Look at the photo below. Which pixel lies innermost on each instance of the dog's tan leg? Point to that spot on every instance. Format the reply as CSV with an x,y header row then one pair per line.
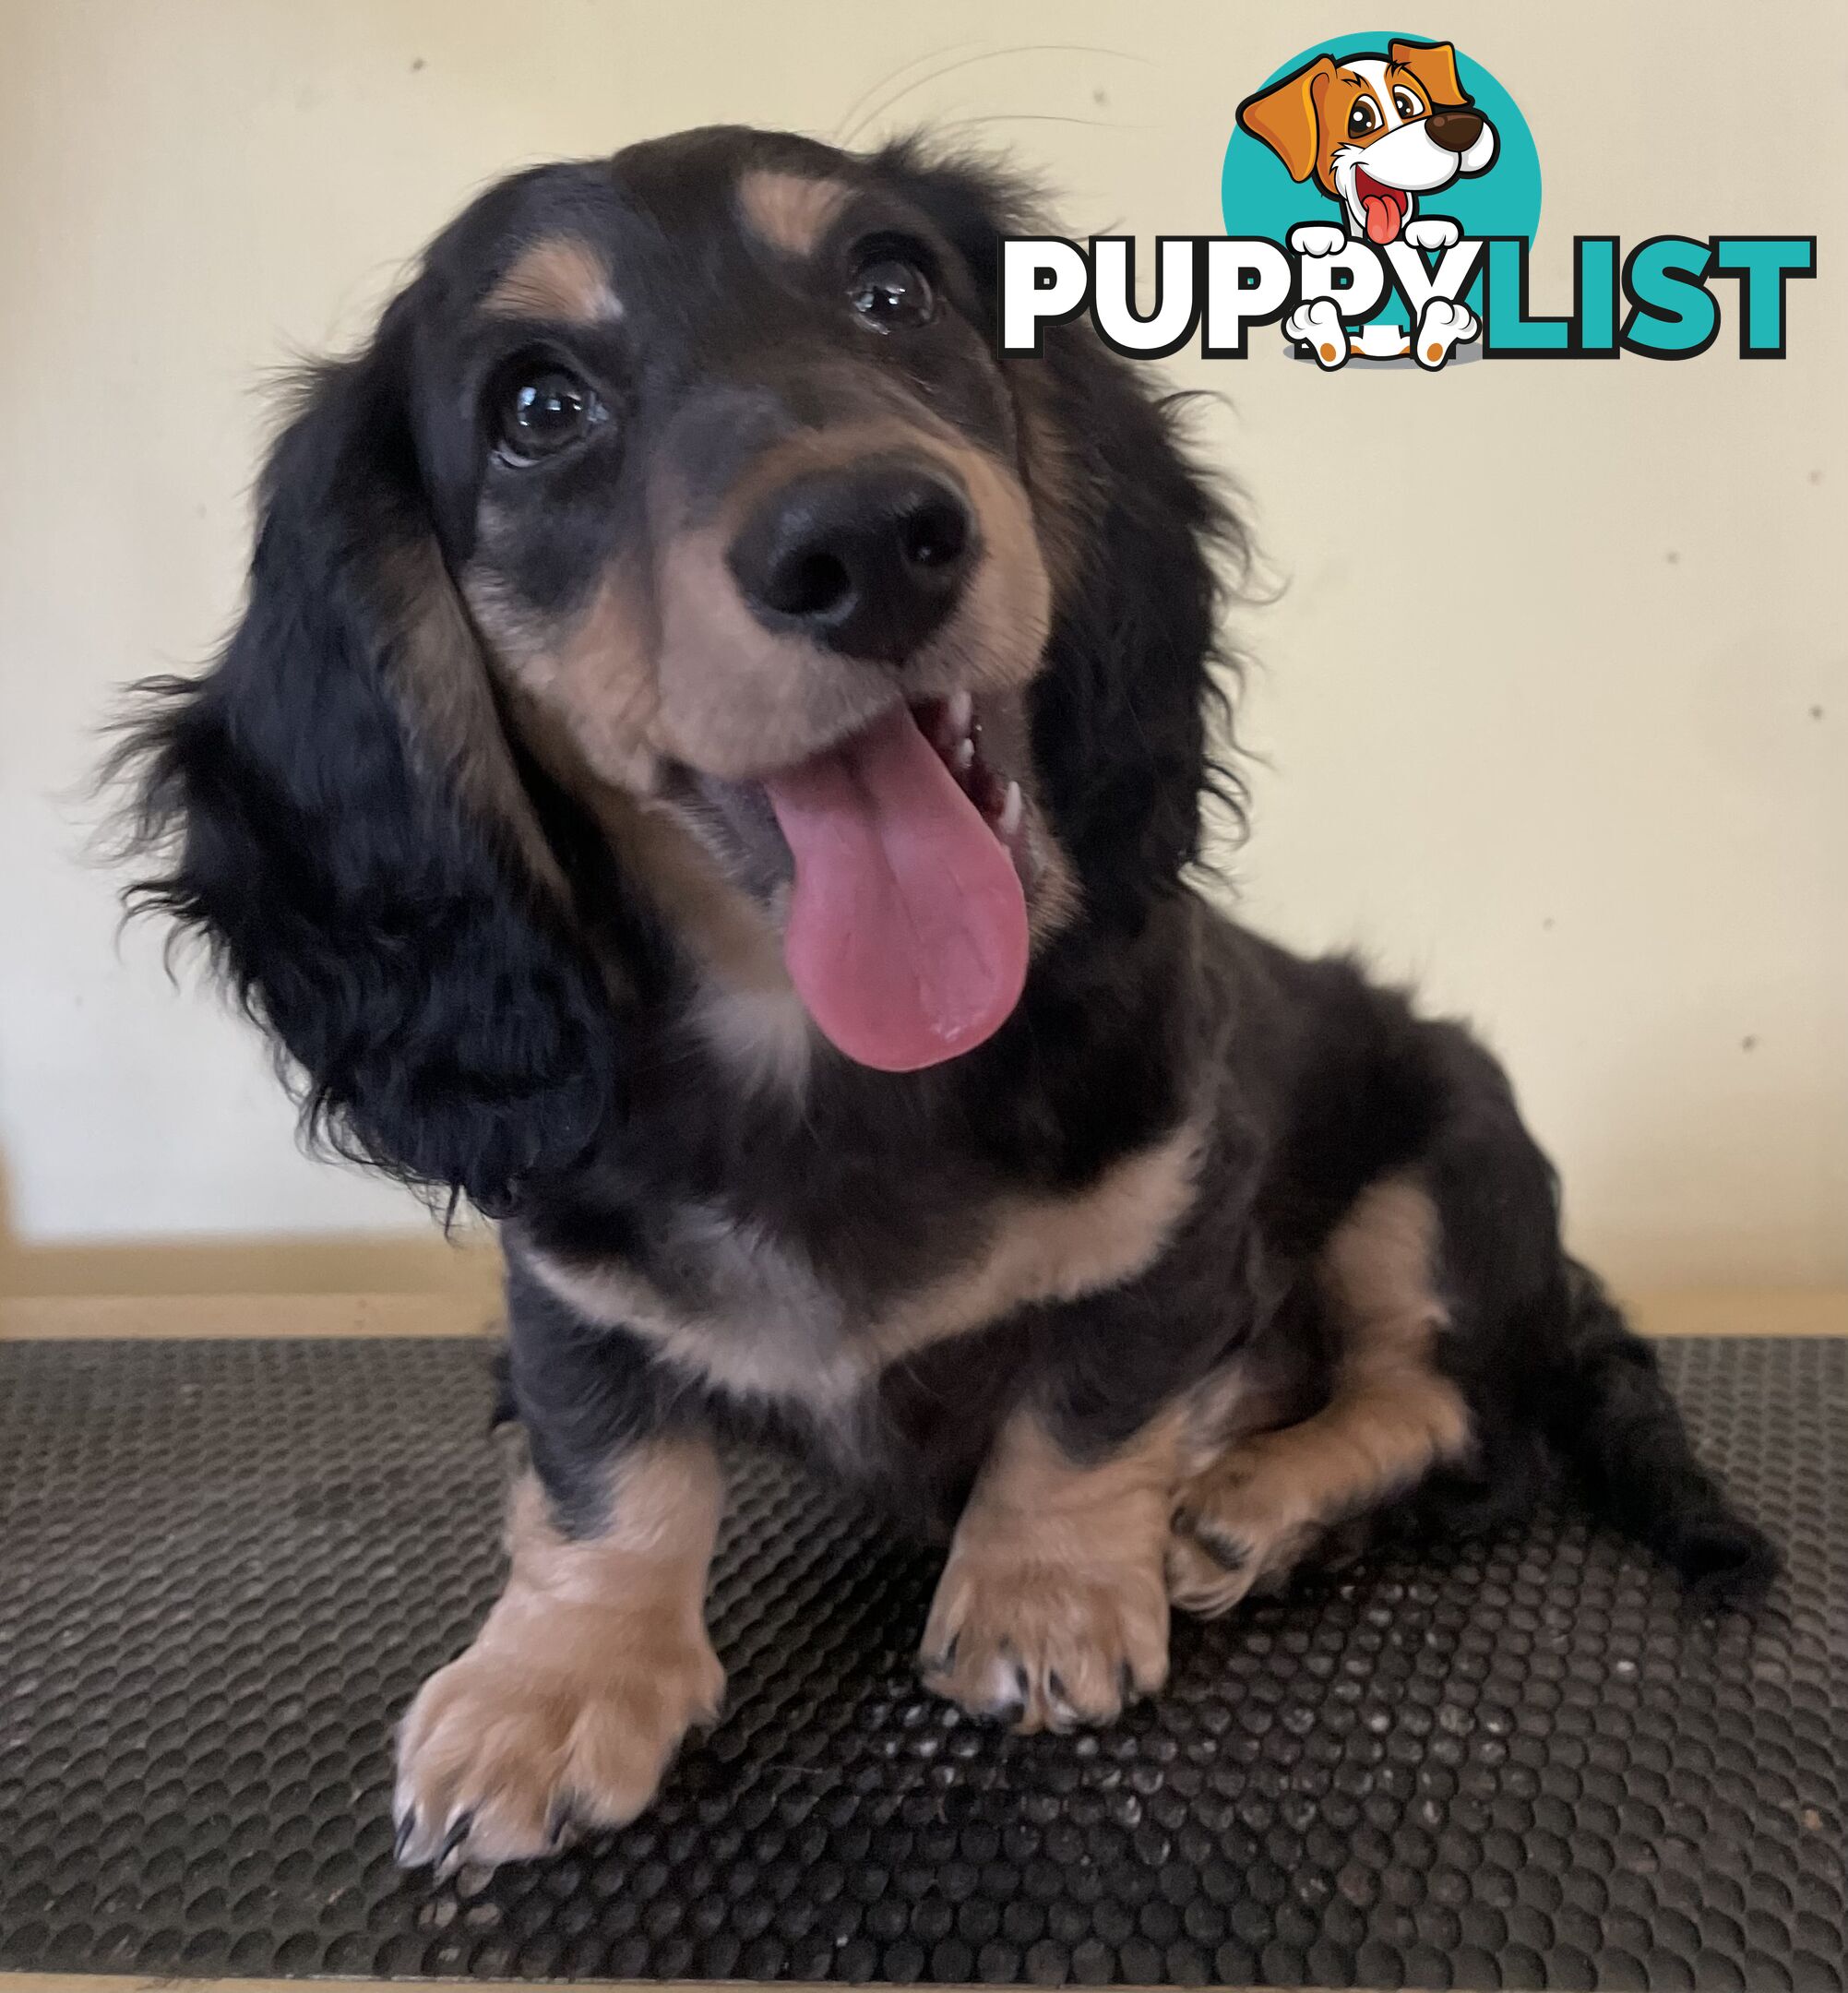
x,y
587,1673
1052,1609
1250,1514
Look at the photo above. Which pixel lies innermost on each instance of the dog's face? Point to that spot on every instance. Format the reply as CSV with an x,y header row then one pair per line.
x,y
734,489
679,625
1374,131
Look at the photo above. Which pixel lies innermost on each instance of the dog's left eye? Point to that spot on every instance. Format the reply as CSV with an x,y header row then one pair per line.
x,y
891,294
539,410
1363,118
1406,104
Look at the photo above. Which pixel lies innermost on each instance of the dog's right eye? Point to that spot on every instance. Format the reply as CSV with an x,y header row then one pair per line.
x,y
540,408
1363,118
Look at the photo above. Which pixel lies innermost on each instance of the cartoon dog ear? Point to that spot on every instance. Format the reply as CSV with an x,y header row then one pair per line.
x,y
1287,117
1434,65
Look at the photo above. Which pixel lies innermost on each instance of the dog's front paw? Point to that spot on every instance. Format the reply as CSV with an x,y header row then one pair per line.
x,y
1432,232
1046,1645
1318,239
1233,1534
503,1753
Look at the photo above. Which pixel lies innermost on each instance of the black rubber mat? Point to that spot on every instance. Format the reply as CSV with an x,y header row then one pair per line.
x,y
224,1568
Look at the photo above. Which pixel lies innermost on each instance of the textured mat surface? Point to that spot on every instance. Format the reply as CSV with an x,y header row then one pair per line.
x,y
224,1568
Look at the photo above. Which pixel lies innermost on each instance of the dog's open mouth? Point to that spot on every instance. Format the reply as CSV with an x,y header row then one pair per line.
x,y
907,934
1383,206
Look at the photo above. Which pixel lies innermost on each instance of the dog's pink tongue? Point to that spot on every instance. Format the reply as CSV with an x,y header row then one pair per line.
x,y
907,934
1382,218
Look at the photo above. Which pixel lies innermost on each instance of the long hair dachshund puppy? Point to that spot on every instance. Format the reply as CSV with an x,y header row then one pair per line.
x,y
708,773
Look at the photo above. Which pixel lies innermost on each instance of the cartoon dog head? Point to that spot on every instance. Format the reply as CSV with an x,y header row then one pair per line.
x,y
1374,131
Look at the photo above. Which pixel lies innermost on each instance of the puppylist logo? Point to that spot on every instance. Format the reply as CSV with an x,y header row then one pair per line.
x,y
1380,196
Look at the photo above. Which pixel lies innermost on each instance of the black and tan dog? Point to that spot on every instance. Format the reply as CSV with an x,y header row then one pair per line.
x,y
706,773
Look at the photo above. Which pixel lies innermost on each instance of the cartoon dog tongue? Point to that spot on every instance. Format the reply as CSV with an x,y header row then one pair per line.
x,y
907,934
1382,218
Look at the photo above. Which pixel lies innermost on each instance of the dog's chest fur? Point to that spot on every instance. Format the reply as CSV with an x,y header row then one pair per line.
x,y
813,1315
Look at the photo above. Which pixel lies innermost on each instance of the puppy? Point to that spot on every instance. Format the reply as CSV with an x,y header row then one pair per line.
x,y
1375,131
707,773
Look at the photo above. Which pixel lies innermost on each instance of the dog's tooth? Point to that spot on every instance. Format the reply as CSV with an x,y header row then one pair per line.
x,y
962,755
1013,807
958,714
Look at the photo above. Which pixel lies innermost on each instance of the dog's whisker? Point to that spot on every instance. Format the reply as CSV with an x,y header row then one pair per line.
x,y
987,56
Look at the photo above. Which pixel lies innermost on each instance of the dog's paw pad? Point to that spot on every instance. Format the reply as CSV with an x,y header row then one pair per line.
x,y
1319,326
1442,325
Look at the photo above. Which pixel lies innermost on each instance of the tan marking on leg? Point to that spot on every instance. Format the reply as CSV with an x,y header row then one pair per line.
x,y
791,211
589,1670
1251,1514
562,277
1052,1609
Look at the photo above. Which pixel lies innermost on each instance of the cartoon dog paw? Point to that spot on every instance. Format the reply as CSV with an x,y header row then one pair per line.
x,y
1318,239
1441,327
1317,325
1432,232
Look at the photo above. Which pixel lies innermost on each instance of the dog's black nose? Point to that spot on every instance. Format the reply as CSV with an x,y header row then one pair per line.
x,y
1455,131
867,559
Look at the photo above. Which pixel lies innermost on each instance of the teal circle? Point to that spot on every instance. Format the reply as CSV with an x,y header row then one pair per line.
x,y
1258,197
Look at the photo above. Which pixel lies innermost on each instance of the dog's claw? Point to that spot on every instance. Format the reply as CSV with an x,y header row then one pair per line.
x,y
1229,1556
448,1856
407,1829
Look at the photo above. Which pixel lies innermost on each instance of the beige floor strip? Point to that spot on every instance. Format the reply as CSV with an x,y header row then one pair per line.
x,y
218,1317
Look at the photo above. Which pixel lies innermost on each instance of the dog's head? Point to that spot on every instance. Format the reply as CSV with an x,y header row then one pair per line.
x,y
1374,131
679,607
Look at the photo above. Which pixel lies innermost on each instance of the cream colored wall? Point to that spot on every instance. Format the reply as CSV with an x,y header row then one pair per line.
x,y
1554,701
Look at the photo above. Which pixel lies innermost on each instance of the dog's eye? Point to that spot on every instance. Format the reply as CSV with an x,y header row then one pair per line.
x,y
1406,104
540,409
891,294
1363,118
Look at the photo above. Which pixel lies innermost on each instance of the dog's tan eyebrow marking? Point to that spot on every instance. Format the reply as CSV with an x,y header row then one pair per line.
x,y
791,211
560,278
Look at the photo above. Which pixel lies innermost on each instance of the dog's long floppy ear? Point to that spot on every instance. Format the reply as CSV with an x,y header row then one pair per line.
x,y
1434,64
1130,529
1287,117
325,802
